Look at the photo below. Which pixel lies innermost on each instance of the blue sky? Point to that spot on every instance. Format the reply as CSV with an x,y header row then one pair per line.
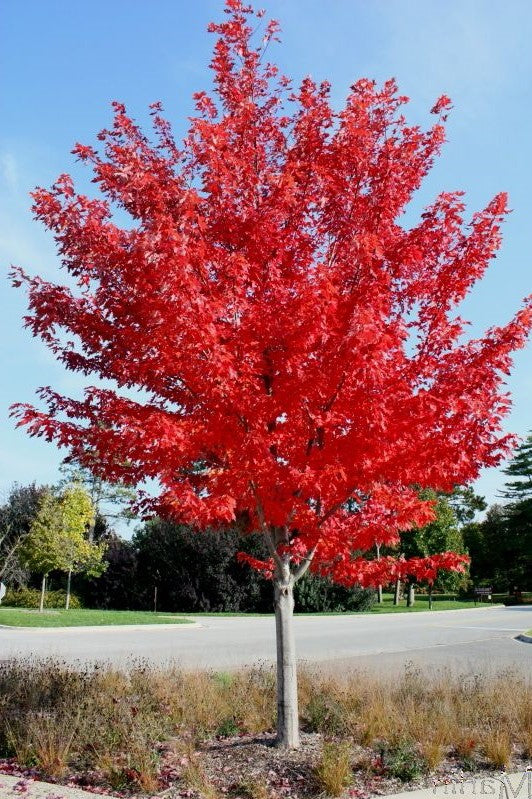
x,y
62,63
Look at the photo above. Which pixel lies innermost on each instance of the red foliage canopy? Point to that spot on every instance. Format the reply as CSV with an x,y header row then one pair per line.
x,y
294,345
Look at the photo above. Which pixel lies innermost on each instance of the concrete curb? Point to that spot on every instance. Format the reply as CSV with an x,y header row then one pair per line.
x,y
499,786
27,788
527,639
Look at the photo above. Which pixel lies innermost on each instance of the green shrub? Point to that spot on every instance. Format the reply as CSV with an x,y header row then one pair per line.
x,y
31,598
315,594
403,761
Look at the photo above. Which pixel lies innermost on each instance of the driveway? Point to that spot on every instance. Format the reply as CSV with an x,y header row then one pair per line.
x,y
479,639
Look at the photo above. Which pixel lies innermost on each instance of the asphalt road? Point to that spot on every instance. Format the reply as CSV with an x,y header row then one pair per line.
x,y
465,640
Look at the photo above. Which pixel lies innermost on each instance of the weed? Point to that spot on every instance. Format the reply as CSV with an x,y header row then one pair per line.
x,y
403,761
45,741
55,717
228,728
465,747
223,678
324,713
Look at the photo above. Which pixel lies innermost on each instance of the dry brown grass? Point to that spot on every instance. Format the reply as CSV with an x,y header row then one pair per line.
x,y
498,748
433,753
45,740
333,772
252,788
57,718
194,777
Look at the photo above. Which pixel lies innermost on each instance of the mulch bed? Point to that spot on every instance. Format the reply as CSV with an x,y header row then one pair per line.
x,y
234,766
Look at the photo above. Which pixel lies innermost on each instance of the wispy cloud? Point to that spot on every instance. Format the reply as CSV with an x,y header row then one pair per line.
x,y
470,50
9,171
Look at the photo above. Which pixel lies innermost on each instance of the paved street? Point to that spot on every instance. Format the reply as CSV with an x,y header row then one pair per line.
x,y
480,639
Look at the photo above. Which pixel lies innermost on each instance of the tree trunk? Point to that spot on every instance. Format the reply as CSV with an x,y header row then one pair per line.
x,y
397,592
411,597
69,580
287,710
430,597
379,587
43,589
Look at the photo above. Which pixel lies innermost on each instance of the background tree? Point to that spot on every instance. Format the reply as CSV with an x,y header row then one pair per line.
x,y
293,343
75,520
118,587
501,544
516,568
110,500
466,504
500,547
16,516
520,470
42,549
441,535
196,571
57,538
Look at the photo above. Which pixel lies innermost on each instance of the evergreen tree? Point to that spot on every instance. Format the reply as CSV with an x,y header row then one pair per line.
x,y
520,471
466,504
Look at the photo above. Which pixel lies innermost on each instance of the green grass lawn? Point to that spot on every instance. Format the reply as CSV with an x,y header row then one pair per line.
x,y
439,602
22,617
25,617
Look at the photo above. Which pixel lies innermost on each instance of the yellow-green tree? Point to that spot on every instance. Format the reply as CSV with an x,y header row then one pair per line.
x,y
57,538
77,519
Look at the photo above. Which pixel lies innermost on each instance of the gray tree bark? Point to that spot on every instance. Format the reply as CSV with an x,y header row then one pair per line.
x,y
397,592
69,581
287,705
379,587
411,596
43,590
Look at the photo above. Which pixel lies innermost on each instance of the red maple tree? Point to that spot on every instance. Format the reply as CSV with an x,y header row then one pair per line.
x,y
295,347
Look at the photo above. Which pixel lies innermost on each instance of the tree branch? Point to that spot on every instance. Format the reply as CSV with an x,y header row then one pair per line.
x,y
304,564
266,531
